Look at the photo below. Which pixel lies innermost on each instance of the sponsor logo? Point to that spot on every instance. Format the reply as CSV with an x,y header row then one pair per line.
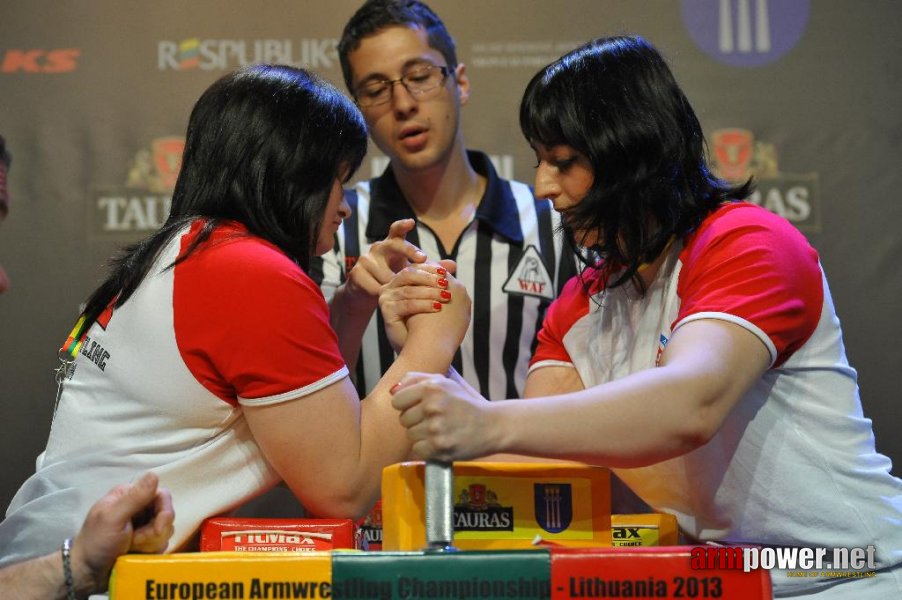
x,y
800,562
745,33
142,204
371,527
530,277
478,509
61,60
738,156
223,54
532,54
626,536
553,505
264,540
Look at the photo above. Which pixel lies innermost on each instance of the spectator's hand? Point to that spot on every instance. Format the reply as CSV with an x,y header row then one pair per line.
x,y
134,517
383,259
413,290
445,420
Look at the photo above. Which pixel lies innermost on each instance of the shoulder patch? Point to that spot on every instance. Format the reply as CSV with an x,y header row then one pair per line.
x,y
530,276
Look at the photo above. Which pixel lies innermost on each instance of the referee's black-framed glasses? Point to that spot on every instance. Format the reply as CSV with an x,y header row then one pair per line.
x,y
421,82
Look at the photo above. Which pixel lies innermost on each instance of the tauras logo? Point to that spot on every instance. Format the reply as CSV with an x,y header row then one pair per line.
x,y
141,205
738,155
478,509
494,519
373,534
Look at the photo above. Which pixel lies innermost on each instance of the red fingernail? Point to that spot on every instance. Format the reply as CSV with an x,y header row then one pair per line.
x,y
443,282
441,271
437,305
394,388
445,294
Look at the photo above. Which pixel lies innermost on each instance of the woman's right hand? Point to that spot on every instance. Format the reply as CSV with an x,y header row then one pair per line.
x,y
443,330
413,290
445,419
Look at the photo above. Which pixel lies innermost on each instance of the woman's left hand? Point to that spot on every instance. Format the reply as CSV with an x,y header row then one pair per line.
x,y
413,290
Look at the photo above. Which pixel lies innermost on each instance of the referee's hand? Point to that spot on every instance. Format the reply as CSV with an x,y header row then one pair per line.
x,y
383,259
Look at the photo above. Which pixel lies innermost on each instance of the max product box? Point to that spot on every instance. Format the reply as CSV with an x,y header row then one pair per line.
x,y
207,575
666,572
277,535
649,529
502,505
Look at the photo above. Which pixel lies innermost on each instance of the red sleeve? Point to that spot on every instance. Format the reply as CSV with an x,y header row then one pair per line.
x,y
250,324
564,311
747,262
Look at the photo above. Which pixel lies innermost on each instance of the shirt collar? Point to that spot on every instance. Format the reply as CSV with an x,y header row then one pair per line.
x,y
497,209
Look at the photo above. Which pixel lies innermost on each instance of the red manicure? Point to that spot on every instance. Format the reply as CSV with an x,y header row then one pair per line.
x,y
443,282
441,271
437,305
445,294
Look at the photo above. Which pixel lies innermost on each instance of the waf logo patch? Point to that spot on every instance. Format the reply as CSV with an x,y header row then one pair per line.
x,y
530,277
553,506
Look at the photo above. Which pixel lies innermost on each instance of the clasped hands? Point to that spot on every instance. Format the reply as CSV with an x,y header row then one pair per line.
x,y
411,293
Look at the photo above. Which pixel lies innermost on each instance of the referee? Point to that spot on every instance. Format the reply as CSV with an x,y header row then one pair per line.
x,y
399,63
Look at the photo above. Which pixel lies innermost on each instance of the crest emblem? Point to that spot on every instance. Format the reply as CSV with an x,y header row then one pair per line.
x,y
156,169
553,506
167,158
733,150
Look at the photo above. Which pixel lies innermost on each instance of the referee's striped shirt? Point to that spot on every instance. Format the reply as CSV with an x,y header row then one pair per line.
x,y
509,258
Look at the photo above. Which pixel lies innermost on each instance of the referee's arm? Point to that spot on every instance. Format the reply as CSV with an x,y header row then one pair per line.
x,y
354,301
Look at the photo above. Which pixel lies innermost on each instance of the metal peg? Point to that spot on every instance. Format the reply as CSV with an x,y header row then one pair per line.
x,y
439,506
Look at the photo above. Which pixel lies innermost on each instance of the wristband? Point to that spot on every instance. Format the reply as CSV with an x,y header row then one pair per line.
x,y
67,569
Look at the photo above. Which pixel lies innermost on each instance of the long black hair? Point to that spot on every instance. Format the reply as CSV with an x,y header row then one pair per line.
x,y
263,148
615,100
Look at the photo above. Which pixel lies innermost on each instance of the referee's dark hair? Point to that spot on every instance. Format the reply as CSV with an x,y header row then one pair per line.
x,y
616,101
376,15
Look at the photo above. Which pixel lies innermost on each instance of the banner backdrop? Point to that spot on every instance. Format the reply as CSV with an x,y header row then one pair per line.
x,y
95,96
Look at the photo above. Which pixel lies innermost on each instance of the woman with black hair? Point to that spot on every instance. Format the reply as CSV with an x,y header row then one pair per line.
x,y
207,356
698,354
